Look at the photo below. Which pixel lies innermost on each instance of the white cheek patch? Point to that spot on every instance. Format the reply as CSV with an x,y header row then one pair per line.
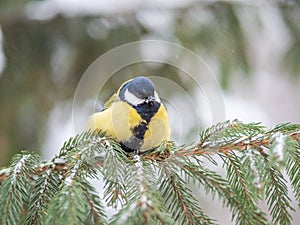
x,y
156,97
132,99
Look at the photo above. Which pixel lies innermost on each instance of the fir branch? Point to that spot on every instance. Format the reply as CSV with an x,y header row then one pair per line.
x,y
235,136
14,193
228,133
81,143
236,177
81,154
44,189
95,209
84,144
293,165
179,199
144,205
255,164
286,128
253,155
244,189
205,135
114,170
76,203
71,204
276,192
214,183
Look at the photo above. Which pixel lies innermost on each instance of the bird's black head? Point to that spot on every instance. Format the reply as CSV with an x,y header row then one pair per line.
x,y
141,95
139,90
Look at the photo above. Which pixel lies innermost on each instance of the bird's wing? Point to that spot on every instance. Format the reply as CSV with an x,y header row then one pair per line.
x,y
108,103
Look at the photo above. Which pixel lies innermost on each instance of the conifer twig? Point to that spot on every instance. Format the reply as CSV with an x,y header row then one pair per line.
x,y
152,187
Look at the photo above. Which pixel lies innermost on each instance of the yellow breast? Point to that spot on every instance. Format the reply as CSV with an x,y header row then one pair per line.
x,y
120,119
158,130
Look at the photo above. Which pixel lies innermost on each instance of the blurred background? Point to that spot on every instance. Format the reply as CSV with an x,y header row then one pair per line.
x,y
252,47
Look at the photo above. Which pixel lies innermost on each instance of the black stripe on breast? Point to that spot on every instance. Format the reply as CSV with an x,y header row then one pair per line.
x,y
146,111
137,139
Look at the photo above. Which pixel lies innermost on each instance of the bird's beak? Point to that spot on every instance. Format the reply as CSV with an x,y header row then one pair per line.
x,y
150,99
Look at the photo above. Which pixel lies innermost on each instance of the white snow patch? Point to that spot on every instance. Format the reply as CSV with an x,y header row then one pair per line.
x,y
69,179
256,181
279,141
18,168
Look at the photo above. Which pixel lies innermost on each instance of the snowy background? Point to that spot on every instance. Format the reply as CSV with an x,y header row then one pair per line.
x,y
252,50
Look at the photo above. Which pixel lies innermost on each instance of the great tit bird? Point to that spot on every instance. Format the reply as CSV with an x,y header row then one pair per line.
x,y
134,116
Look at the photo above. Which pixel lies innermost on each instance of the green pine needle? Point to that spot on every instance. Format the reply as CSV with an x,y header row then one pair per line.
x,y
178,198
14,190
144,203
154,187
44,189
